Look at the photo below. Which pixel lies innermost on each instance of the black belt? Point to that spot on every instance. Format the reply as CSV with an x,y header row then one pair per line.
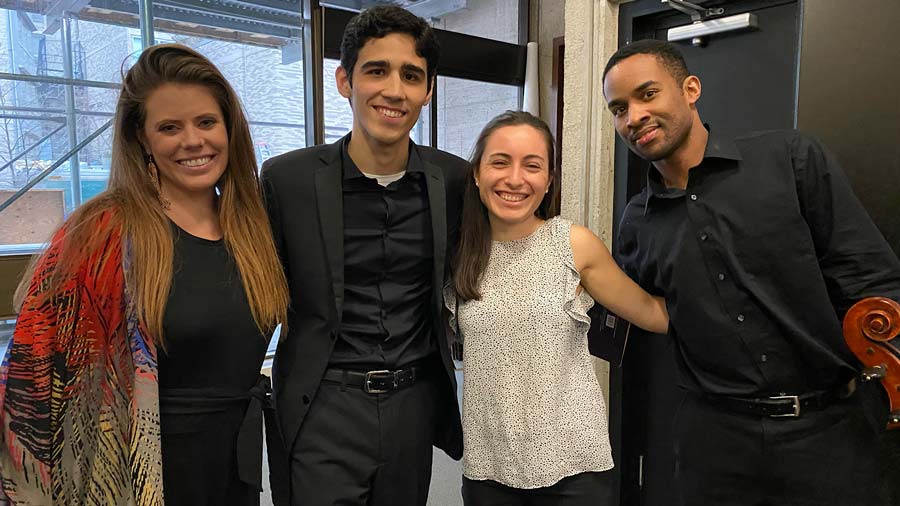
x,y
782,406
249,444
374,382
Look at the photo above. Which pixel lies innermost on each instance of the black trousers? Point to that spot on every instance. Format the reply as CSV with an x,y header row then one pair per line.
x,y
829,457
199,459
359,449
585,489
877,406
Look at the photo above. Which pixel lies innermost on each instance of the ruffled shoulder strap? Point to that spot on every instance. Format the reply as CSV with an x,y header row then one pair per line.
x,y
577,301
451,302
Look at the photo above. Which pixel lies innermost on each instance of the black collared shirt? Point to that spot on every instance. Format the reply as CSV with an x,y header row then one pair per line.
x,y
386,320
758,259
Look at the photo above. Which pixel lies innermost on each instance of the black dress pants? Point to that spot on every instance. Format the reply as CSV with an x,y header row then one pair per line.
x,y
829,457
360,449
584,489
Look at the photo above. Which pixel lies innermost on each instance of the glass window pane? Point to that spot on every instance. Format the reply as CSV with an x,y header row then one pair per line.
x,y
260,55
464,107
491,19
338,116
63,74
6,331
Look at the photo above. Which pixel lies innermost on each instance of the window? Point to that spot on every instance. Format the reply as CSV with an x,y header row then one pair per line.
x,y
57,95
6,330
60,76
267,75
61,81
491,19
465,107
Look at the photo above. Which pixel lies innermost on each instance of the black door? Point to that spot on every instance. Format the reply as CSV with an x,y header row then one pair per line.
x,y
833,80
748,83
849,63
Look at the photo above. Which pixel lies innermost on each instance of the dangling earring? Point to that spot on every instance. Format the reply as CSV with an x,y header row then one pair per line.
x,y
154,180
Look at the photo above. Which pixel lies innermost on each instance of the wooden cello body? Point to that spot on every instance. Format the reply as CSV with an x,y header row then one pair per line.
x,y
872,331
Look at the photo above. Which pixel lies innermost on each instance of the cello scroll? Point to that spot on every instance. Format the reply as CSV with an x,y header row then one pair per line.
x,y
871,329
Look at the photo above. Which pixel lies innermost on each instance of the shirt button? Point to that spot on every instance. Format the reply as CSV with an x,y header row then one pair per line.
x,y
721,277
763,357
703,237
693,196
740,317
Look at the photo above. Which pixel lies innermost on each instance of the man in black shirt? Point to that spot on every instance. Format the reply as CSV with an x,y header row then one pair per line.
x,y
759,247
364,381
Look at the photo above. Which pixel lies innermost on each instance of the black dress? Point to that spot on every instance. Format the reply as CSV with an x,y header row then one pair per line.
x,y
212,360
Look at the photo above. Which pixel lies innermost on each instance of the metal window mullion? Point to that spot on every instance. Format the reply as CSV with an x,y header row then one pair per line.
x,y
74,164
65,81
145,19
34,145
46,172
12,43
313,48
433,116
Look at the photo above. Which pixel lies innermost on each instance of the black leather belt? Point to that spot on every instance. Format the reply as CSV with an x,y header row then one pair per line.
x,y
782,406
374,382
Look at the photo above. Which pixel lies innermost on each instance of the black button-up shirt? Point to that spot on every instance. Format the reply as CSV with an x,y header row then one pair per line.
x,y
386,320
758,259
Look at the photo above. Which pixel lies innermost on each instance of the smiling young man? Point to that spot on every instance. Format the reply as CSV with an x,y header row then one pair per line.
x,y
364,381
759,247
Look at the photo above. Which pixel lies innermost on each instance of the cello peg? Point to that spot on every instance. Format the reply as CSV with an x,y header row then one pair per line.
x,y
874,372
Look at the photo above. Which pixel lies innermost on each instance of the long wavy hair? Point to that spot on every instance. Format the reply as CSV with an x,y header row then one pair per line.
x,y
474,249
132,207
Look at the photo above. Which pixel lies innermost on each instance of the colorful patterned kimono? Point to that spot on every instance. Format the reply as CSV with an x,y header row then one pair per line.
x,y
79,407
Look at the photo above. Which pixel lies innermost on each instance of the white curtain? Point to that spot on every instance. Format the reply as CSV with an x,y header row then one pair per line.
x,y
531,101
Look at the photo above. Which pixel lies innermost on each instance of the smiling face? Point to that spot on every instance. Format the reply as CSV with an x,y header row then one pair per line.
x,y
388,89
185,132
513,176
653,113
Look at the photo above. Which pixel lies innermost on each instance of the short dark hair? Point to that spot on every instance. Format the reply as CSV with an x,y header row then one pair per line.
x,y
667,54
382,20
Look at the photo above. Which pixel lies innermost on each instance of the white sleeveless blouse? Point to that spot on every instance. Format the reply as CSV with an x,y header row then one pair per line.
x,y
533,412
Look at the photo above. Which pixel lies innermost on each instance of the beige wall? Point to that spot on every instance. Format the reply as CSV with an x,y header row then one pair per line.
x,y
32,218
590,29
12,268
547,23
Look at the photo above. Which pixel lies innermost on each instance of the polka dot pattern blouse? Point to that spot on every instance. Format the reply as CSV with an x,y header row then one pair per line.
x,y
533,412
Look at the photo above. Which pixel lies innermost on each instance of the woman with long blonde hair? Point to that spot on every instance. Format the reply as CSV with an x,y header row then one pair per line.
x,y
133,373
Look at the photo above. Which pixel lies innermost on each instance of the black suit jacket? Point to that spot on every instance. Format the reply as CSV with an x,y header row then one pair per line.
x,y
305,203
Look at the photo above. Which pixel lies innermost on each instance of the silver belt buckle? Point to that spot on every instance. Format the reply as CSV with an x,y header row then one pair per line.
x,y
367,386
795,400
